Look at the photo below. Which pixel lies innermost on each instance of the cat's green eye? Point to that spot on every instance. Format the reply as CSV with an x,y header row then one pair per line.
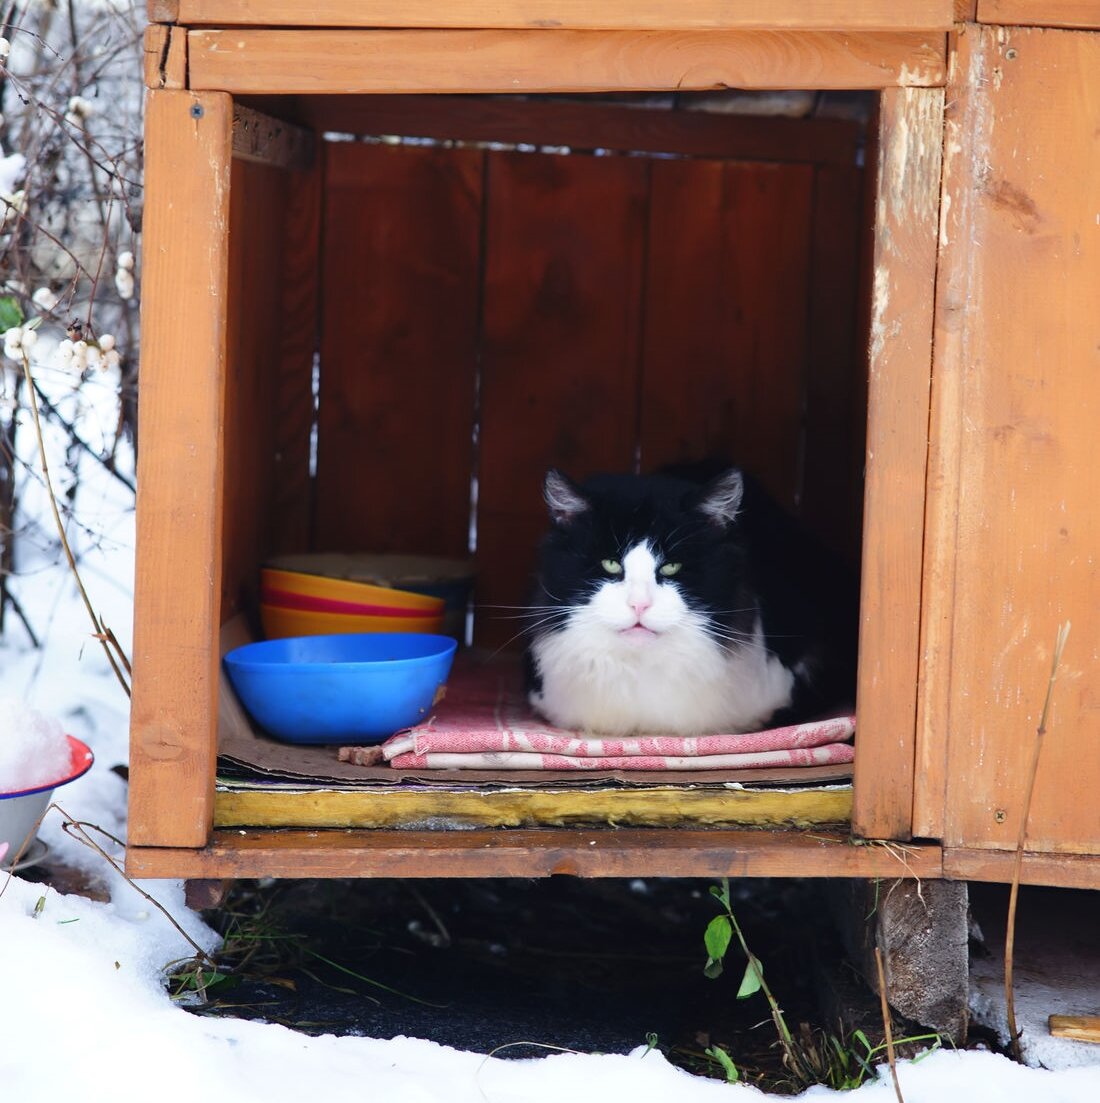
x,y
612,566
669,569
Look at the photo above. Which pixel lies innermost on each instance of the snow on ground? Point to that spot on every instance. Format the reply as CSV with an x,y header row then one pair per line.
x,y
84,1016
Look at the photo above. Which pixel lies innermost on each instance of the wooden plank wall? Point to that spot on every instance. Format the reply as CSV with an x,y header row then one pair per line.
x,y
603,312
270,341
1013,499
399,347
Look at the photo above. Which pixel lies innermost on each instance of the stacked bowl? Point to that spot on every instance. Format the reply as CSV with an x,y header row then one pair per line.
x,y
294,603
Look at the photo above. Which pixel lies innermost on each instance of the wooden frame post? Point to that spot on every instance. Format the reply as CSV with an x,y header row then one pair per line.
x,y
903,293
177,573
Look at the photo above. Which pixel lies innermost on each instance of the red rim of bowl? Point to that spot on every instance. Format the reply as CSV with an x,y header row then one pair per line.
x,y
80,762
284,599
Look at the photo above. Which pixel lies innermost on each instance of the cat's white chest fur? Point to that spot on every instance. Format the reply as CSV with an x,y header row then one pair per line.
x,y
635,658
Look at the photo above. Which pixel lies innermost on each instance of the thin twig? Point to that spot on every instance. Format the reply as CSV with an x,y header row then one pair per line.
x,y
75,830
1021,840
890,1055
100,632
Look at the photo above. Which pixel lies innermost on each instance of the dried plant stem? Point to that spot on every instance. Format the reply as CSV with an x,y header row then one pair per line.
x,y
76,829
1021,840
105,637
890,1055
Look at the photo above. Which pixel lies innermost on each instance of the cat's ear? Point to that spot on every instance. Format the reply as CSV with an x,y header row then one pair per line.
x,y
564,498
721,497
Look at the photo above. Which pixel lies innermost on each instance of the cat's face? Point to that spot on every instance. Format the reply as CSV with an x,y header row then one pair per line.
x,y
638,559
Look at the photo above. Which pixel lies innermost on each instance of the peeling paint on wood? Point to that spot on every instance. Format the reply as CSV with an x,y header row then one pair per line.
x,y
657,807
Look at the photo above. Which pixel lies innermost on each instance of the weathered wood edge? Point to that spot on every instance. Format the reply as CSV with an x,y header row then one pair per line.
x,y
870,15
1070,14
906,224
602,852
162,11
408,61
1075,871
964,143
269,141
165,57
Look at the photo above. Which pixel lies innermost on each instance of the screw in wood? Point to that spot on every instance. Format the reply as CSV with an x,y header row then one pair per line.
x,y
1000,815
196,111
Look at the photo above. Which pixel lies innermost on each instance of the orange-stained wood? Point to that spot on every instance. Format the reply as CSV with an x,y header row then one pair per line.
x,y
162,11
559,372
165,57
910,140
588,125
265,61
865,15
965,10
398,348
1021,353
1073,871
727,283
1041,13
601,852
956,273
180,468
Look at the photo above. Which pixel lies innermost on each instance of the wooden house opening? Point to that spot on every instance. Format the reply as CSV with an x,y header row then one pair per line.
x,y
667,285
468,290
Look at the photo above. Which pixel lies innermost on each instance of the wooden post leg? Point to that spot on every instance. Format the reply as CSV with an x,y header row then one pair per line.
x,y
188,143
203,894
922,929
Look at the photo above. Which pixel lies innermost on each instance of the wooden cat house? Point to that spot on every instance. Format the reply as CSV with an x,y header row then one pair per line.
x,y
394,251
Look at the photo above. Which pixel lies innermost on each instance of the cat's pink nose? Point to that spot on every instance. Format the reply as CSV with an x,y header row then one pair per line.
x,y
640,605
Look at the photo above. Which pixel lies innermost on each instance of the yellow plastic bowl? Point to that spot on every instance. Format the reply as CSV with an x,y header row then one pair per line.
x,y
279,623
341,589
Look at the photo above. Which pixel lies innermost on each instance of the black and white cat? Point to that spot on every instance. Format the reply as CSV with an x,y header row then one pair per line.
x,y
672,607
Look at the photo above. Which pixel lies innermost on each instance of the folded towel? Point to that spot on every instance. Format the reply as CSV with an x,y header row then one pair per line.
x,y
482,725
828,755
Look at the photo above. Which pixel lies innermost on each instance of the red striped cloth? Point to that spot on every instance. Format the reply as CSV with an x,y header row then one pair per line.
x,y
485,725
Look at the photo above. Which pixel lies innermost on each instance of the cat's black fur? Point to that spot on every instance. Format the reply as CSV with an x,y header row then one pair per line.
x,y
764,563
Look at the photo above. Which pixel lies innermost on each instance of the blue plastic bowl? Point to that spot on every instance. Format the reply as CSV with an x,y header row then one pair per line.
x,y
330,689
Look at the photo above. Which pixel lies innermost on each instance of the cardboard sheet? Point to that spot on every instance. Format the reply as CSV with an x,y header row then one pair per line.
x,y
248,759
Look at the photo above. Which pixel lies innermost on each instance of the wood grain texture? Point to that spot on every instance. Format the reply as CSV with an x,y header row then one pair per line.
x,y
1041,13
1025,355
288,62
965,123
165,57
585,126
257,200
180,468
866,15
906,222
661,806
398,349
1071,871
1082,1028
624,852
271,141
560,351
726,344
162,11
